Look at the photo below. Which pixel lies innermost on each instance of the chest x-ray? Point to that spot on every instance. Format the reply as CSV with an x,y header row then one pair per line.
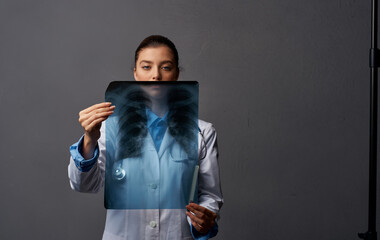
x,y
151,145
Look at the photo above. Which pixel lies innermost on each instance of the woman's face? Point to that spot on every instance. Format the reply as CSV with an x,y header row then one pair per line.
x,y
156,64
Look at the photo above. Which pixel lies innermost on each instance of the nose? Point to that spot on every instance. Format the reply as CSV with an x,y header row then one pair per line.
x,y
156,75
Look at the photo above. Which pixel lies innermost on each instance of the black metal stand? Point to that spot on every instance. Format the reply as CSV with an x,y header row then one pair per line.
x,y
371,234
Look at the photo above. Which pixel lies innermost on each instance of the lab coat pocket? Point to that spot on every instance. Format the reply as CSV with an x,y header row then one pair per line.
x,y
179,160
179,155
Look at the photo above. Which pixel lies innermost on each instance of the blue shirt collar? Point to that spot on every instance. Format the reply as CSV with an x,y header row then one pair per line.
x,y
152,117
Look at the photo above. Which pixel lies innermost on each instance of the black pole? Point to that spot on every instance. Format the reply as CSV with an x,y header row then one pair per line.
x,y
371,234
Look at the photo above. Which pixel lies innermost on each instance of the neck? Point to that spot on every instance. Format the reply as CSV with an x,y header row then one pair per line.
x,y
159,107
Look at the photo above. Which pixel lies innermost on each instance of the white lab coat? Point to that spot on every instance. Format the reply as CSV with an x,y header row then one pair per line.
x,y
155,223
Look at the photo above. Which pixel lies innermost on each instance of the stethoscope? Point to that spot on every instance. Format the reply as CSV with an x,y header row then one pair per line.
x,y
119,173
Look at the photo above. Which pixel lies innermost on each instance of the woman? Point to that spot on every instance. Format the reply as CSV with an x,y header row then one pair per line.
x,y
156,59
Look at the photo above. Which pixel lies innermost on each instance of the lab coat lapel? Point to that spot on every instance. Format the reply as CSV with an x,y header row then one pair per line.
x,y
149,144
166,142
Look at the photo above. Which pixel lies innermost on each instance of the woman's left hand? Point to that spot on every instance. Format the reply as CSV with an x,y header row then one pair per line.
x,y
203,219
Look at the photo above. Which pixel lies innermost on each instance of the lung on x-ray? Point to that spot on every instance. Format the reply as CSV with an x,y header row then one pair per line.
x,y
151,145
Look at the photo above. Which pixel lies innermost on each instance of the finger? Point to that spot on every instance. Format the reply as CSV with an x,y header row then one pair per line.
x,y
199,228
95,123
87,119
196,226
94,117
196,212
202,209
97,117
85,114
96,106
198,207
102,110
194,218
91,123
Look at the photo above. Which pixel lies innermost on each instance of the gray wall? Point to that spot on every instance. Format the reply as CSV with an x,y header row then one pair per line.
x,y
286,84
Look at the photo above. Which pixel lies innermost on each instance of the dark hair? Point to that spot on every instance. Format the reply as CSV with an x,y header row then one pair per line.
x,y
156,41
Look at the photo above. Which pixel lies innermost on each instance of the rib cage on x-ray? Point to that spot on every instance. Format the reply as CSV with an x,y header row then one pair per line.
x,y
131,104
139,176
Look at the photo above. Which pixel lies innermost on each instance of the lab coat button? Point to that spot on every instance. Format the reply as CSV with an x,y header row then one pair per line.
x,y
153,186
153,224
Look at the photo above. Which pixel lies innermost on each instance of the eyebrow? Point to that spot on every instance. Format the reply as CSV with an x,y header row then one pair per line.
x,y
168,61
150,62
144,61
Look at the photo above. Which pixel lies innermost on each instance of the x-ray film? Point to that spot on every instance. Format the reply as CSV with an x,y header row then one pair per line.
x,y
152,145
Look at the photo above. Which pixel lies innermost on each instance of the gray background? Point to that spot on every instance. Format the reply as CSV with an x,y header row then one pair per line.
x,y
286,84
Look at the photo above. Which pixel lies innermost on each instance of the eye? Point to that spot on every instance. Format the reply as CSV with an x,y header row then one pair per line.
x,y
167,68
145,67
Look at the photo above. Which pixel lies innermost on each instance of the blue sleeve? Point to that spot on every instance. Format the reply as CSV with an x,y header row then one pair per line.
x,y
82,164
199,236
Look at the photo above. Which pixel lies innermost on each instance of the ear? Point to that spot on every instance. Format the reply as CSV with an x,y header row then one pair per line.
x,y
134,73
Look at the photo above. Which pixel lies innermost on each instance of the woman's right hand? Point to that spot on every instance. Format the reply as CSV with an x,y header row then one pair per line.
x,y
91,119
